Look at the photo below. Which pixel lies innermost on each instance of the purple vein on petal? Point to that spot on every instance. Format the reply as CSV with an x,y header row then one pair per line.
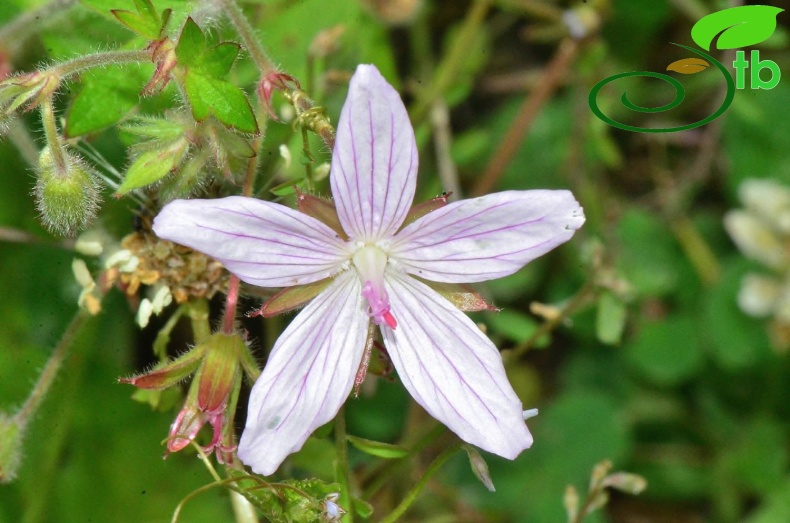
x,y
369,222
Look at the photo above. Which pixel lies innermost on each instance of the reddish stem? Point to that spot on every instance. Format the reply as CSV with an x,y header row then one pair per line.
x,y
230,305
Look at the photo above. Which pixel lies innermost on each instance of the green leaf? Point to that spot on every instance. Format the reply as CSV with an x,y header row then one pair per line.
x,y
281,504
227,103
377,448
514,325
147,9
610,319
738,341
667,352
775,507
152,166
760,456
137,24
154,128
739,27
218,60
191,44
105,97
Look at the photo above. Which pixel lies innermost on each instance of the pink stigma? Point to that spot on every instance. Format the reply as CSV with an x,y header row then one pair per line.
x,y
390,320
378,305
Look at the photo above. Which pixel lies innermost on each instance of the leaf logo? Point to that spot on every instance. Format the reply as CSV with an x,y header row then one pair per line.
x,y
688,66
738,26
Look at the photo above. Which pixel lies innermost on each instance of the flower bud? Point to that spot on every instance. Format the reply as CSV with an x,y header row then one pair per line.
x,y
68,200
11,436
626,482
479,467
221,371
168,374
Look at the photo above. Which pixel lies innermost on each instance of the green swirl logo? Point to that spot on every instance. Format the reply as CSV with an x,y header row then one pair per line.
x,y
735,27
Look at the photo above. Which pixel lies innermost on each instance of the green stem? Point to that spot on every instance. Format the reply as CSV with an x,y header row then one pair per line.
x,y
50,371
53,138
385,471
198,316
48,459
579,299
411,497
77,65
341,469
247,34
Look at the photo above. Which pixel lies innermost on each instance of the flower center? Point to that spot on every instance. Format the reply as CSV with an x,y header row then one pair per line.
x,y
371,262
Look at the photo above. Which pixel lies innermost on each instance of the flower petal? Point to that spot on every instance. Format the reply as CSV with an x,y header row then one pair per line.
x,y
452,369
374,164
488,237
308,376
263,243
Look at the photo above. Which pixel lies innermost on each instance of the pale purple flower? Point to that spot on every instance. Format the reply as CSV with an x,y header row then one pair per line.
x,y
447,364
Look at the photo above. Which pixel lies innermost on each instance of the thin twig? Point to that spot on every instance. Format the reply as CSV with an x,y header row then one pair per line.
x,y
579,299
551,78
443,138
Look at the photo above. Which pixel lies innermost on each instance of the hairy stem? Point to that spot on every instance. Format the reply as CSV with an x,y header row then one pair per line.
x,y
79,64
53,138
247,34
51,369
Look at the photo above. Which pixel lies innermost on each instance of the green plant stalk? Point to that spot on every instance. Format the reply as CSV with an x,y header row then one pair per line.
x,y
53,138
582,297
39,392
90,61
198,316
247,34
49,458
385,470
411,496
341,468
452,61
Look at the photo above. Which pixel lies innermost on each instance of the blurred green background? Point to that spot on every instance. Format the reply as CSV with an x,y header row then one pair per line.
x,y
653,367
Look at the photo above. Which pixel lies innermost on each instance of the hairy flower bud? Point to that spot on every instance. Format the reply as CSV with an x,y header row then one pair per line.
x,y
68,200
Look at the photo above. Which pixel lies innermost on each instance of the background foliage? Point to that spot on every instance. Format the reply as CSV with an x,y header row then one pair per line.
x,y
651,365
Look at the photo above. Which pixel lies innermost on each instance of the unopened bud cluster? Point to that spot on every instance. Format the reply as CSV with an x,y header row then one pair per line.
x,y
67,197
761,230
217,364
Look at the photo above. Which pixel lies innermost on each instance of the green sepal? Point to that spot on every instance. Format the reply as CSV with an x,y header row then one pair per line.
x,y
421,209
170,373
151,166
322,210
292,298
